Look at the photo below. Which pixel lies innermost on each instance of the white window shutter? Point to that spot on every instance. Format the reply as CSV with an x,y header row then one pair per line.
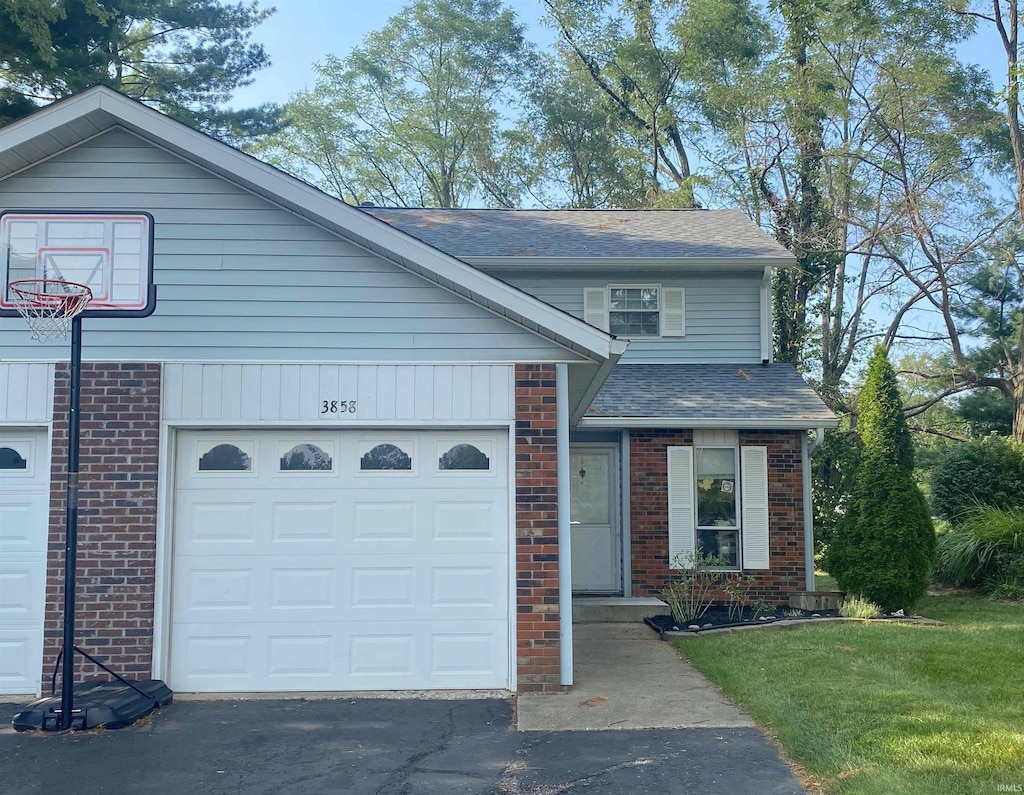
x,y
673,312
754,496
680,507
595,307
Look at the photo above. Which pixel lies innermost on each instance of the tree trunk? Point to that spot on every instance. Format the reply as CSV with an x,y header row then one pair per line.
x,y
1017,385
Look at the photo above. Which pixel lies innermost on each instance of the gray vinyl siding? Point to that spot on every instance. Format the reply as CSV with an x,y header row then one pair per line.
x,y
722,313
240,279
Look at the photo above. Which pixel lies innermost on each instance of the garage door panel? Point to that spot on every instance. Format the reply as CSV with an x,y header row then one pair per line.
x,y
380,581
355,656
233,589
23,522
210,523
22,589
24,530
21,650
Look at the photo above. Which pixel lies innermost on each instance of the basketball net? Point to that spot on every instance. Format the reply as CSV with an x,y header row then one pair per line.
x,y
49,305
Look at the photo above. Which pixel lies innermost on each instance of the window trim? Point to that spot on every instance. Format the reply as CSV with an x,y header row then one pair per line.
x,y
406,444
202,447
27,454
482,443
738,528
659,311
326,444
736,486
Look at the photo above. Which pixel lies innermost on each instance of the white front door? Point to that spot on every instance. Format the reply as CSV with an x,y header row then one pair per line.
x,y
24,522
340,560
593,497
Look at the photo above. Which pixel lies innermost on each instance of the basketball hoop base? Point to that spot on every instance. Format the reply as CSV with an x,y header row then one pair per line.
x,y
98,704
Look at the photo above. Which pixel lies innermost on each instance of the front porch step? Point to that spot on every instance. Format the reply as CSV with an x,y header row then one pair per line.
x,y
615,609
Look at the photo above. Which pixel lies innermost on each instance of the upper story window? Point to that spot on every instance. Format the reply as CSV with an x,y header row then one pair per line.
x,y
636,310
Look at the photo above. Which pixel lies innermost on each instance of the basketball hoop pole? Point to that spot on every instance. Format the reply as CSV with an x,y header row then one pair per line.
x,y
67,680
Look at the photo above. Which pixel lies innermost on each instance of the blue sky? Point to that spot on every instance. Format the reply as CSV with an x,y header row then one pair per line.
x,y
302,32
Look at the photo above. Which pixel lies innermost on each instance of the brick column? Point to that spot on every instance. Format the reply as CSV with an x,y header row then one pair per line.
x,y
785,515
648,507
537,634
120,430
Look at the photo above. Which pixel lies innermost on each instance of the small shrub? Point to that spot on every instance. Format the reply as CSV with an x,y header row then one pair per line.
x,y
689,597
1009,582
981,548
981,472
762,608
859,607
738,590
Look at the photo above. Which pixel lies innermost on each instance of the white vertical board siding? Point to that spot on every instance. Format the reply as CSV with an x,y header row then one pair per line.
x,y
241,279
722,313
266,393
26,392
754,476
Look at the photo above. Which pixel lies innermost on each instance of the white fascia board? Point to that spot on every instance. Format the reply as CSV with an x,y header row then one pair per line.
x,y
703,422
292,193
548,264
49,118
577,411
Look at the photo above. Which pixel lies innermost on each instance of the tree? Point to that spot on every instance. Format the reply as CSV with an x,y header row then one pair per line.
x,y
183,58
1004,17
413,115
626,52
858,135
884,544
582,156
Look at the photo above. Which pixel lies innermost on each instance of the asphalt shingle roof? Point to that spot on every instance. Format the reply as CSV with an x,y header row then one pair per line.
x,y
585,233
774,392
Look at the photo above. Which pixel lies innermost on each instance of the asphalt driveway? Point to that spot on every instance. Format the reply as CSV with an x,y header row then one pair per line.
x,y
385,747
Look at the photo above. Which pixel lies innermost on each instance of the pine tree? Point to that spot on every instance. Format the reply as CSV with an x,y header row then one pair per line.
x,y
884,545
183,58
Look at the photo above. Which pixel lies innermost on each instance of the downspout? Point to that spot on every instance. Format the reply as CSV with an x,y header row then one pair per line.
x,y
564,538
766,316
806,451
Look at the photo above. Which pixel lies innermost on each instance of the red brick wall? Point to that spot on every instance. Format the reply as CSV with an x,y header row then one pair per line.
x,y
649,511
118,462
537,635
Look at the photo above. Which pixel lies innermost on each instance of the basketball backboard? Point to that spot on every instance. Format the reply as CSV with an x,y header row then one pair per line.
x,y
110,253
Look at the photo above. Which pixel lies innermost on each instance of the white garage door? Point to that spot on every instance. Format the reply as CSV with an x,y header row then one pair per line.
x,y
340,561
24,518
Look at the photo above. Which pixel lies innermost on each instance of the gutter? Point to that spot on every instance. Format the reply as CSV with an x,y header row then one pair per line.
x,y
704,422
806,451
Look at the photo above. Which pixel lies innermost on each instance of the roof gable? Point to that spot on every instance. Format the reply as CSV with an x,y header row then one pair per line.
x,y
75,119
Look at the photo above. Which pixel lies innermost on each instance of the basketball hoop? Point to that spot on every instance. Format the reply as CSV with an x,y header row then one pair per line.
x,y
49,305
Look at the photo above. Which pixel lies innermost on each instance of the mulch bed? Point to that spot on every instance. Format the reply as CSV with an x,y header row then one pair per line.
x,y
717,617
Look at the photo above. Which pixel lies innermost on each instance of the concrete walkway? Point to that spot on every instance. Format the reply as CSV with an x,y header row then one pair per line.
x,y
627,678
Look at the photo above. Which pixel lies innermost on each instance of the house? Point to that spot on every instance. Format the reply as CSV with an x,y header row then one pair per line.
x,y
370,449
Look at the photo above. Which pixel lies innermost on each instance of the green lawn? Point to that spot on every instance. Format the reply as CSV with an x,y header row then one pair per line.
x,y
886,708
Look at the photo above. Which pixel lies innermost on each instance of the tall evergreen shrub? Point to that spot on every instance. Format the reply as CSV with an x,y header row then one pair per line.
x,y
884,544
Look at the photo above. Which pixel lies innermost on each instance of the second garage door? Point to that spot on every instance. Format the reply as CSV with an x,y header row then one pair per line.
x,y
350,560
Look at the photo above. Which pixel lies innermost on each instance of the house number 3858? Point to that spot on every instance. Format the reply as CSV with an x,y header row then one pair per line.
x,y
338,407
